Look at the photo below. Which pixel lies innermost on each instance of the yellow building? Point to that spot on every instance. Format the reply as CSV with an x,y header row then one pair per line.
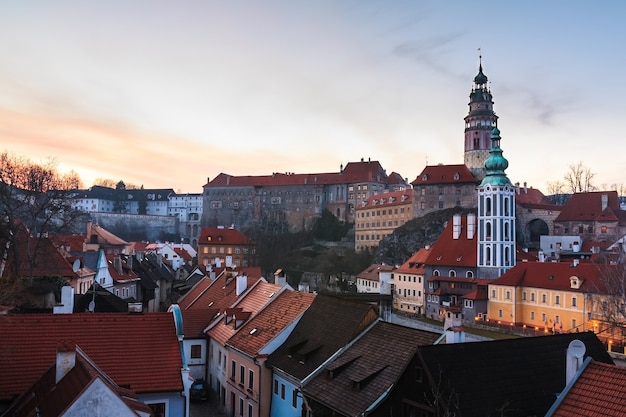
x,y
555,297
379,216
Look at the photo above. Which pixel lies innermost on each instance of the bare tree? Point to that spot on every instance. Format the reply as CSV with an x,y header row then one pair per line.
x,y
608,299
105,182
579,178
556,192
34,199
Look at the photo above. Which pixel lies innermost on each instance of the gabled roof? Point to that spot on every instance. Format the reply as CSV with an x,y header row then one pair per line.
x,y
372,272
123,345
444,174
518,376
447,251
415,264
104,301
588,207
120,271
69,243
367,369
195,321
556,276
311,344
223,236
219,293
103,236
55,397
270,321
48,261
250,302
600,390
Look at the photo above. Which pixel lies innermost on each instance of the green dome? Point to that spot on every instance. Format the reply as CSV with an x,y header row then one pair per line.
x,y
496,163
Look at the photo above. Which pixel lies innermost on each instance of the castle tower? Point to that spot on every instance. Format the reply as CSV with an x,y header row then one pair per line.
x,y
496,215
479,122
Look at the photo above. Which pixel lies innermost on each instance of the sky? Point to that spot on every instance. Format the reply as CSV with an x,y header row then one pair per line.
x,y
170,94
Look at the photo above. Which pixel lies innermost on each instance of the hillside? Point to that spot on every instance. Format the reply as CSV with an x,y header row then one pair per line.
x,y
410,237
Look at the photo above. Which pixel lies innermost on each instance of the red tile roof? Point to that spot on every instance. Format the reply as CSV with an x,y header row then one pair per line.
x,y
223,236
599,391
447,251
525,195
444,174
270,321
126,347
415,264
220,293
390,199
354,172
196,320
588,207
251,302
48,260
55,397
372,272
556,276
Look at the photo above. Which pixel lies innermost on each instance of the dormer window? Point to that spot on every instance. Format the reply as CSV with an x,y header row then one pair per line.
x,y
575,282
425,177
456,176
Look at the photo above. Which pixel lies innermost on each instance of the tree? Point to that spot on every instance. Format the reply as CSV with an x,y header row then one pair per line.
x,y
105,182
579,178
557,193
35,199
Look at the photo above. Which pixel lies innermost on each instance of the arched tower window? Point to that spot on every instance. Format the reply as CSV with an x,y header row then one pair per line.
x,y
506,231
488,255
507,257
488,230
506,206
488,206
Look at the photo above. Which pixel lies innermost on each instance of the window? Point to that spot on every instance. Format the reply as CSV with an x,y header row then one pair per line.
x,y
250,380
276,386
233,367
543,298
242,374
493,293
241,406
499,313
532,315
573,323
532,296
282,391
508,295
557,299
524,296
469,303
250,410
158,409
294,398
574,303
196,351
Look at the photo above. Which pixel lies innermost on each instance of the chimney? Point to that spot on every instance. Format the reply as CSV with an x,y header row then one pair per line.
x,y
242,283
471,226
456,226
66,359
525,188
605,201
117,264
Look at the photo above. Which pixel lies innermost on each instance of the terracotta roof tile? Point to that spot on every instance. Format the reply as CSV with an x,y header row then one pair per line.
x,y
600,390
588,207
270,321
415,264
444,174
123,345
447,251
223,236
372,272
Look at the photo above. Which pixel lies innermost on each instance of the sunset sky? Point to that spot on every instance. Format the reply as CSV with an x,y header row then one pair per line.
x,y
165,94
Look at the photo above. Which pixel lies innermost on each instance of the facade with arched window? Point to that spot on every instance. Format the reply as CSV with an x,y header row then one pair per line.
x,y
496,215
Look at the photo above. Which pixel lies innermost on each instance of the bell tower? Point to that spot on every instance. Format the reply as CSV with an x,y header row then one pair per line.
x,y
479,123
496,215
